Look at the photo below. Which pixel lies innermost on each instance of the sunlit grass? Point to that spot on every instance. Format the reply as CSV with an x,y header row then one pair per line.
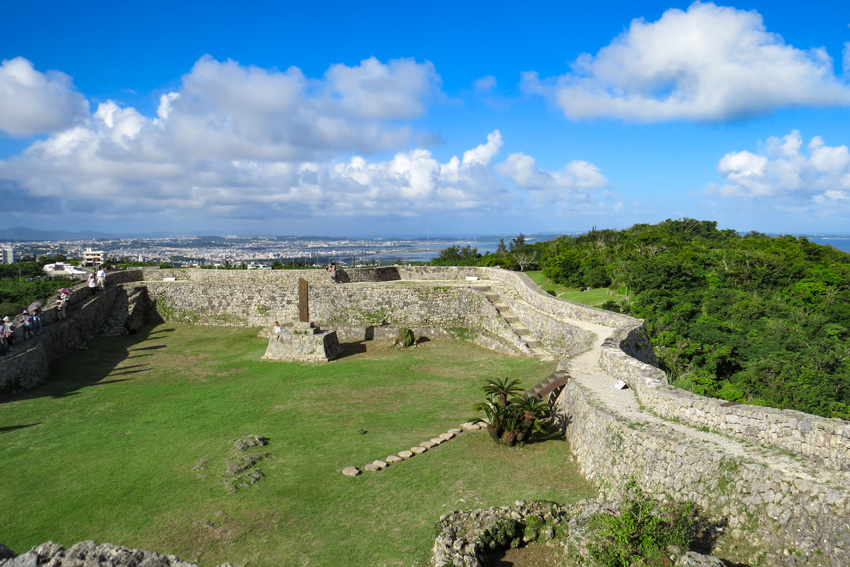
x,y
593,297
110,450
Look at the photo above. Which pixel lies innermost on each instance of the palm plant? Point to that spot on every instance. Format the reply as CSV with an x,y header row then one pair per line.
x,y
494,419
511,418
532,411
502,388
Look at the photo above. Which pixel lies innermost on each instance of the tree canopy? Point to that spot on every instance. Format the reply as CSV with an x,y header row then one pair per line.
x,y
748,318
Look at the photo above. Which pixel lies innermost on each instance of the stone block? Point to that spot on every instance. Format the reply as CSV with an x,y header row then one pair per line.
x,y
392,459
407,454
418,450
351,471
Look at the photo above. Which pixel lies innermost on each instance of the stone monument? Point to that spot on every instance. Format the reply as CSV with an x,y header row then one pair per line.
x,y
302,341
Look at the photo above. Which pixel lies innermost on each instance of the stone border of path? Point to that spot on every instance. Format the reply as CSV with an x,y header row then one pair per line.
x,y
401,456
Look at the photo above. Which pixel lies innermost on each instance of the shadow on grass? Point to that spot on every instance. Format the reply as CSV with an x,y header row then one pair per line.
x,y
90,367
352,349
8,428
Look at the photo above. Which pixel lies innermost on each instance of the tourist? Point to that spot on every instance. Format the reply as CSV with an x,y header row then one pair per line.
x,y
61,305
277,328
10,333
4,342
26,323
101,277
36,321
332,271
92,284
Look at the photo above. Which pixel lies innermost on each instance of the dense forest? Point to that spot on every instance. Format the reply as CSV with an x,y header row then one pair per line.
x,y
747,318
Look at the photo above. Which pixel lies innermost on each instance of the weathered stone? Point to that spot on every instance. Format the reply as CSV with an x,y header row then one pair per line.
x,y
427,445
447,436
418,450
351,471
392,459
380,464
407,454
438,440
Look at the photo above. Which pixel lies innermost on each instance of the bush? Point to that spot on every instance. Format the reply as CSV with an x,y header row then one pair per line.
x,y
641,532
405,337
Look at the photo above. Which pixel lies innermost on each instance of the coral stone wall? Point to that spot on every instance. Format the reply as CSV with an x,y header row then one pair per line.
x,y
28,365
771,511
822,440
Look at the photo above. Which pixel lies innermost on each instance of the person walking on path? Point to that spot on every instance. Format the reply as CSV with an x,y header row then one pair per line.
x,y
4,338
9,332
101,278
26,323
62,305
92,284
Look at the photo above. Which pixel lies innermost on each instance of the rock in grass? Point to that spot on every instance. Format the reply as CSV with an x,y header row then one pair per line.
x,y
406,454
351,471
418,450
392,459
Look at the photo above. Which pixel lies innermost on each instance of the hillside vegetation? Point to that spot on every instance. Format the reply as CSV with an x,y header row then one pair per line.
x,y
749,318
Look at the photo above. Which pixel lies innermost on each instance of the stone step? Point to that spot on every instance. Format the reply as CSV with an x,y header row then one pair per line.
x,y
532,343
511,319
492,297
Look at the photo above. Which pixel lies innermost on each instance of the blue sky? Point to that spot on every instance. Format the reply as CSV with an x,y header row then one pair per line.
x,y
447,118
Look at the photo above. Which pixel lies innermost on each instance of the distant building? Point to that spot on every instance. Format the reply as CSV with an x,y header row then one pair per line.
x,y
62,269
92,257
7,255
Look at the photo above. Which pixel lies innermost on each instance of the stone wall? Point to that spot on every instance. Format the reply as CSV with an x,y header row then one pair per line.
x,y
822,440
28,365
772,512
359,305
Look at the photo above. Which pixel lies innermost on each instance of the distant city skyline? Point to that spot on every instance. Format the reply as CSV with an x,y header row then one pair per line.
x,y
400,120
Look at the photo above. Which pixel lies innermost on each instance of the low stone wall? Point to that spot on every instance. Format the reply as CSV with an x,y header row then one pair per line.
x,y
784,520
822,440
333,306
28,365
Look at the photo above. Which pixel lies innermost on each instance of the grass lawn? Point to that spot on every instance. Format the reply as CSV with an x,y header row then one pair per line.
x,y
594,297
127,444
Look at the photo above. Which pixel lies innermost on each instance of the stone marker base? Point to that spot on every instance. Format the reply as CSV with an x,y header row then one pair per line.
x,y
303,342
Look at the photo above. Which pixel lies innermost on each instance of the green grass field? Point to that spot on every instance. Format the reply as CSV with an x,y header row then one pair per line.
x,y
594,297
127,444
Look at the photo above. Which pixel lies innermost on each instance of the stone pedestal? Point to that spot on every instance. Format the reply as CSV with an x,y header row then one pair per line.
x,y
303,342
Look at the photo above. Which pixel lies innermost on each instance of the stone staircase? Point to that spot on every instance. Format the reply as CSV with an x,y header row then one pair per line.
x,y
552,383
521,331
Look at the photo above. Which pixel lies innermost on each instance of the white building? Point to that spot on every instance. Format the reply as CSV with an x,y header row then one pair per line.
x,y
62,269
92,257
7,255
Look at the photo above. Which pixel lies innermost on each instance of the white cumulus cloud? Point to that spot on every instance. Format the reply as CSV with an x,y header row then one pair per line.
x,y
571,184
708,63
789,175
32,102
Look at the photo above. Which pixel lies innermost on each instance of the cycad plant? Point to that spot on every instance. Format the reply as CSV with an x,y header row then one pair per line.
x,y
511,416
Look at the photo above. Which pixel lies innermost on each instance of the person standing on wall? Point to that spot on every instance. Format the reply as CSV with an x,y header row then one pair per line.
x,y
332,271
